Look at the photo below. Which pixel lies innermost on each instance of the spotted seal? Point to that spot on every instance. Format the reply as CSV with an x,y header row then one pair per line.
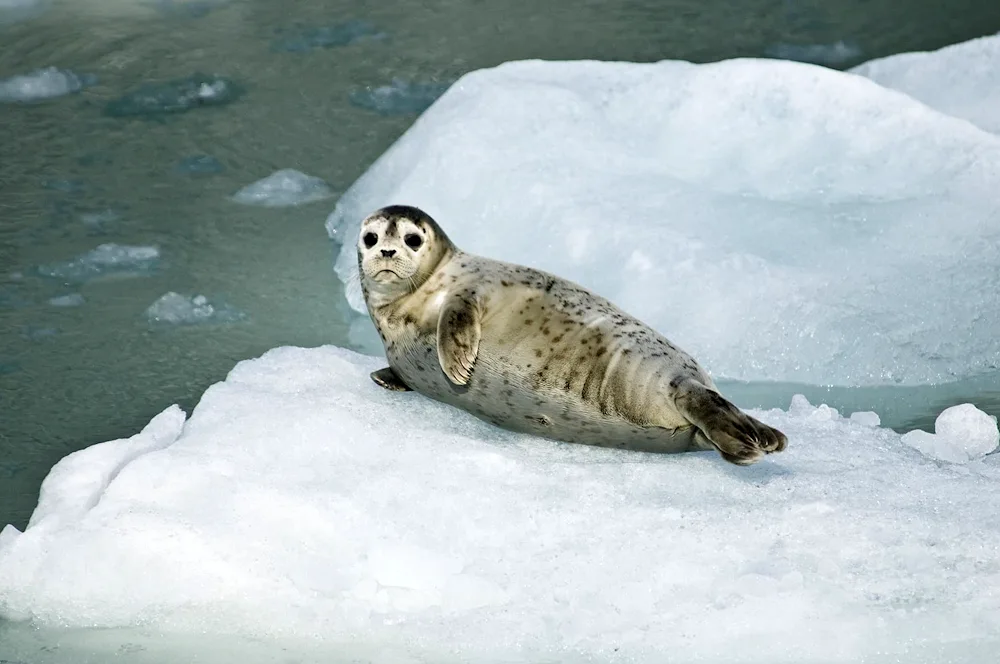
x,y
533,353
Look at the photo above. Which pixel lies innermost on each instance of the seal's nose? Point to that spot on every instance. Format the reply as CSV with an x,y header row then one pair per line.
x,y
388,253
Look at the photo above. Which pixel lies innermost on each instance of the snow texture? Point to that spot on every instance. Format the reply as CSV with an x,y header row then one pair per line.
x,y
780,221
962,80
175,96
821,54
302,501
399,97
961,433
300,39
105,260
176,309
284,188
40,85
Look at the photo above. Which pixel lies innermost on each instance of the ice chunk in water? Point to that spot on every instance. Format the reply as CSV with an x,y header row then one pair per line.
x,y
38,332
398,98
176,96
65,185
68,300
176,309
767,216
300,499
42,84
961,433
105,260
300,39
821,54
962,80
199,164
283,188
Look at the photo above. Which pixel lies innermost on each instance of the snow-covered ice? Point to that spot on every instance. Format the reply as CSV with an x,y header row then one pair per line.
x,y
962,80
302,501
822,54
108,259
780,221
41,84
284,188
961,433
399,97
176,96
176,309
301,39
68,300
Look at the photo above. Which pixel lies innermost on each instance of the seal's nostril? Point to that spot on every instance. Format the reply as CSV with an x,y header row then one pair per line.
x,y
388,253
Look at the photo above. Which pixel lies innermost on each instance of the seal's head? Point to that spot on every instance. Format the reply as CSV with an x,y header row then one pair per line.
x,y
399,247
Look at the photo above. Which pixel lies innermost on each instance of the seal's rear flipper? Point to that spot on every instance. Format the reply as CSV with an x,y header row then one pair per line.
x,y
739,438
388,379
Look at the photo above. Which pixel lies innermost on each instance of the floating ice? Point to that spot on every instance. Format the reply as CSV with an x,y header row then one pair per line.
x,y
38,332
302,39
65,185
301,501
176,309
961,433
99,220
399,98
962,80
105,260
283,188
41,84
822,54
768,216
199,164
68,300
175,96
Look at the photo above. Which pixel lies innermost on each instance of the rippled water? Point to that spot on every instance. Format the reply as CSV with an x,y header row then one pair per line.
x,y
72,177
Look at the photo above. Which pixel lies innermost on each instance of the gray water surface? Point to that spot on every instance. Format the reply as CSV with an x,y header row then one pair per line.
x,y
73,177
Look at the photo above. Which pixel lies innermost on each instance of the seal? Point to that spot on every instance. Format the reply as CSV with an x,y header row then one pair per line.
x,y
533,353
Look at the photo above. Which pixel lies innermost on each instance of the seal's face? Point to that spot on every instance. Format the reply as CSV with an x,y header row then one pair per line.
x,y
398,248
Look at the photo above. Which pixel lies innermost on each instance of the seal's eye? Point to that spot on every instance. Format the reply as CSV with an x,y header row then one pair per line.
x,y
370,239
413,241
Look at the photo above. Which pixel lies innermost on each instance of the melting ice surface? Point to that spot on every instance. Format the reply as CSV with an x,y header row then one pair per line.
x,y
105,260
41,84
283,188
778,220
302,501
176,309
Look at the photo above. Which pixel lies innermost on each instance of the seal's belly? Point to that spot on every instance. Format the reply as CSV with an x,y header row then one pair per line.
x,y
560,388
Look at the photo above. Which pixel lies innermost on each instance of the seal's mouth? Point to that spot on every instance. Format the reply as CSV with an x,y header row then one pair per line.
x,y
385,273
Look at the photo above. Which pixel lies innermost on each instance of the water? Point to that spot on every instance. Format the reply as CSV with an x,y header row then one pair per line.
x,y
72,178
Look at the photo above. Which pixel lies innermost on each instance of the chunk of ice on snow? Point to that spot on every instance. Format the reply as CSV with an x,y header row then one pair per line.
x,y
283,188
767,216
41,84
105,260
176,309
302,501
962,80
866,418
961,433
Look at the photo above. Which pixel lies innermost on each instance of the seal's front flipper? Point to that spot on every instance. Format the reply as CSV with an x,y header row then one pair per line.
x,y
388,379
739,438
458,334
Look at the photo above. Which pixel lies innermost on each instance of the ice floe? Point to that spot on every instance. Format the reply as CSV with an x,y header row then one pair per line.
x,y
108,259
176,309
399,97
175,96
284,188
42,84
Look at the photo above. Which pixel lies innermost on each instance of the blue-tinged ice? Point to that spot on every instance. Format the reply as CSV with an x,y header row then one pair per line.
x,y
42,84
399,97
68,300
833,54
176,96
105,260
283,188
177,309
199,164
